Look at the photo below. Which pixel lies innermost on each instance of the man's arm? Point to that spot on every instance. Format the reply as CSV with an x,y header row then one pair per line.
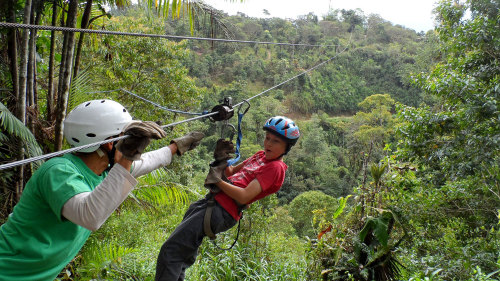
x,y
92,209
153,160
241,195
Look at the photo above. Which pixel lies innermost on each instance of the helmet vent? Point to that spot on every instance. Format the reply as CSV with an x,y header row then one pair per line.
x,y
103,101
75,140
124,110
87,104
91,135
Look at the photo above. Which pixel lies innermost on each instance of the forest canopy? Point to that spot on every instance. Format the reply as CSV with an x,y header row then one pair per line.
x,y
395,175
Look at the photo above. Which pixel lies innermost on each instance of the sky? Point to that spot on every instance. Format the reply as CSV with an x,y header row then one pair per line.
x,y
413,14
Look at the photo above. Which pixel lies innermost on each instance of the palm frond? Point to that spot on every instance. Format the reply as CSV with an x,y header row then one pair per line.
x,y
80,87
14,127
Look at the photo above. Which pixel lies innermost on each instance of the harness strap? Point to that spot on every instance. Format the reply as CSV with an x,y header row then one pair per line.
x,y
206,219
207,228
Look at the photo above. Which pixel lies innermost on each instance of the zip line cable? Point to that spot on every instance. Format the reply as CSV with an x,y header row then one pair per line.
x,y
74,149
288,80
146,100
71,29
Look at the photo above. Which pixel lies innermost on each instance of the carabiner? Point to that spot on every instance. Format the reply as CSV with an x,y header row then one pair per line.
x,y
225,124
245,111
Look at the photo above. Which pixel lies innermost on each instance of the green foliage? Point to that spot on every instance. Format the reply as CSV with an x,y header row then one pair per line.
x,y
442,183
14,136
13,127
102,259
455,147
152,69
264,251
305,208
157,193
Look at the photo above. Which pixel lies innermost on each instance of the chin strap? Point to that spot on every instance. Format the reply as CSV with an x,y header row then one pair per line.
x,y
111,157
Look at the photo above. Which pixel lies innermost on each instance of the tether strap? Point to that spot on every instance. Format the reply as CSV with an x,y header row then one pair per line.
x,y
240,136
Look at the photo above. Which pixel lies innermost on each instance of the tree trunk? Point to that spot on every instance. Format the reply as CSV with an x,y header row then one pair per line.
x,y
30,84
14,70
84,25
50,91
65,73
12,49
21,97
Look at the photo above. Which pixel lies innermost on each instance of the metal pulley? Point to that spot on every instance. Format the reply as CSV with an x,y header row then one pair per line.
x,y
225,110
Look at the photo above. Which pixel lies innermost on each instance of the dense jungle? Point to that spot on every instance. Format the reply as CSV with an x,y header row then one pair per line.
x,y
396,173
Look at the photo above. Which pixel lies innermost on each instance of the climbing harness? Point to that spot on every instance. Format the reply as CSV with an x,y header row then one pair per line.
x,y
207,228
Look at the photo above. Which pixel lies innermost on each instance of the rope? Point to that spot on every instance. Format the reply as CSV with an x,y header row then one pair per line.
x,y
160,106
108,32
57,153
288,80
74,149
146,100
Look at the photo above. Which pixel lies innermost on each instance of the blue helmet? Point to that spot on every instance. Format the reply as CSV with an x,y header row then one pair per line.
x,y
285,128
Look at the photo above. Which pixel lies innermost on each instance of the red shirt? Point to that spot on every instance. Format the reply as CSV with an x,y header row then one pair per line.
x,y
269,173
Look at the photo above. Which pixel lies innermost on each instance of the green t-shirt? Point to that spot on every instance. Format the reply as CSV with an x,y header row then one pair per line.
x,y
36,242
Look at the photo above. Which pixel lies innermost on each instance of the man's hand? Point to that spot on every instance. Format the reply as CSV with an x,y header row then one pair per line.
x,y
140,134
223,150
187,142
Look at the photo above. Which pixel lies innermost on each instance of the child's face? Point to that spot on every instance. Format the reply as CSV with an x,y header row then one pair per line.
x,y
274,146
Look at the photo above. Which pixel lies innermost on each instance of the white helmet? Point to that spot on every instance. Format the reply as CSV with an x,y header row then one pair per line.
x,y
95,121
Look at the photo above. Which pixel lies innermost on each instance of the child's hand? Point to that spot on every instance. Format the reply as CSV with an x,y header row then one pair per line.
x,y
215,174
223,150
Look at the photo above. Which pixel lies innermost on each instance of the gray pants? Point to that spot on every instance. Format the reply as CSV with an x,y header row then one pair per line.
x,y
181,248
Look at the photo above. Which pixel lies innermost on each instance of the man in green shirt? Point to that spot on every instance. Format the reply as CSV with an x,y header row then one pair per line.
x,y
70,196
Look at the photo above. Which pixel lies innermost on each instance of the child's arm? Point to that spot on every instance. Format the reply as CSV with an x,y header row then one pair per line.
x,y
231,170
241,195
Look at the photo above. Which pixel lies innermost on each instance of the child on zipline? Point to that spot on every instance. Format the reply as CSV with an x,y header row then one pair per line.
x,y
253,179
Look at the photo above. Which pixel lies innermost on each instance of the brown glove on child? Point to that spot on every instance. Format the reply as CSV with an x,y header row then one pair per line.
x,y
187,142
222,153
215,175
223,150
140,135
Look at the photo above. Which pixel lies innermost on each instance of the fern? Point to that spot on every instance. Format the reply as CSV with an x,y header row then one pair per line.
x,y
155,192
100,256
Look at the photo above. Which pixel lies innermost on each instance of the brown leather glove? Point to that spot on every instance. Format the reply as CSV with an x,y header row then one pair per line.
x,y
187,142
223,150
215,175
140,135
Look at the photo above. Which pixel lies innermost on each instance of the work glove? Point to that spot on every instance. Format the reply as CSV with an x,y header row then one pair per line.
x,y
140,135
215,175
187,142
223,150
